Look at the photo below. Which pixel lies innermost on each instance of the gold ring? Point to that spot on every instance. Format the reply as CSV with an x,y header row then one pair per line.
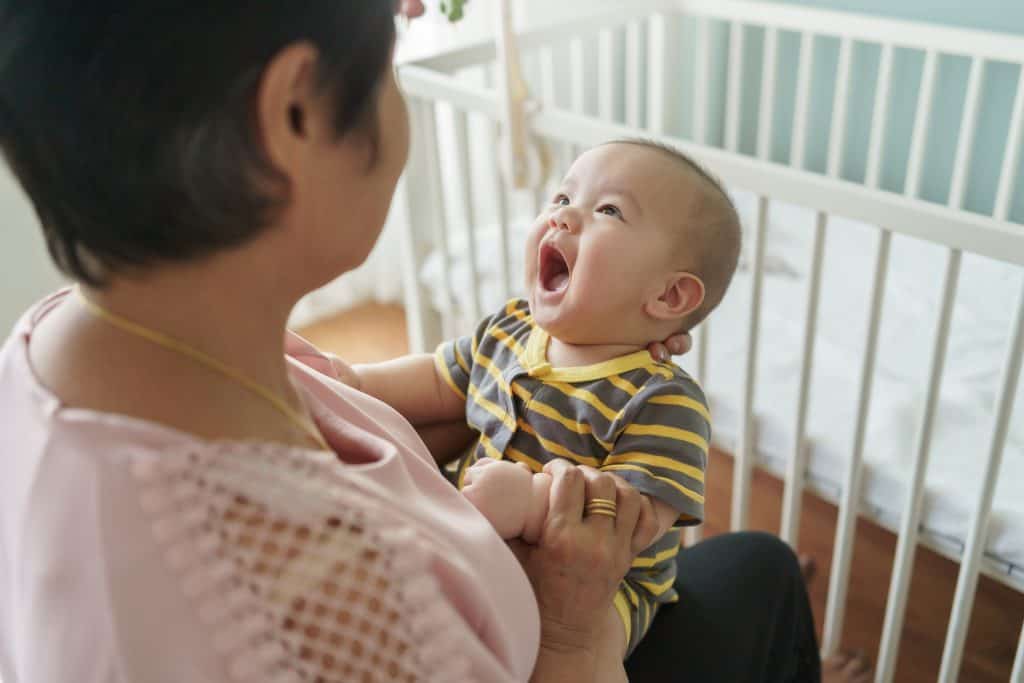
x,y
602,512
601,501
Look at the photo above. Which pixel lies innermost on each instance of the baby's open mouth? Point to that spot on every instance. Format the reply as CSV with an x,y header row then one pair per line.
x,y
554,271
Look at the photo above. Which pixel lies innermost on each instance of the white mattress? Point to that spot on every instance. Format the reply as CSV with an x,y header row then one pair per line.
x,y
980,330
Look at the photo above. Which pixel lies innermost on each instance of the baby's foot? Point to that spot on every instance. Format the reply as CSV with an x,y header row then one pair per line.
x,y
846,667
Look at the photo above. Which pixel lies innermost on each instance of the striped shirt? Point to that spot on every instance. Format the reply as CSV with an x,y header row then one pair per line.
x,y
645,421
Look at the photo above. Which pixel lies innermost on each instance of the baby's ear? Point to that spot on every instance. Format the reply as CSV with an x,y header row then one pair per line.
x,y
683,294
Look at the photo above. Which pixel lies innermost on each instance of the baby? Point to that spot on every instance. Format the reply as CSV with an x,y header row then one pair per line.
x,y
639,243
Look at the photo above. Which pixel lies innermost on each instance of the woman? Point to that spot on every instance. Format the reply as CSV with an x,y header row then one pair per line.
x,y
180,500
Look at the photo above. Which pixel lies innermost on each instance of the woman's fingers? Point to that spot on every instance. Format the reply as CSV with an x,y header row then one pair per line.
x,y
567,490
600,489
676,345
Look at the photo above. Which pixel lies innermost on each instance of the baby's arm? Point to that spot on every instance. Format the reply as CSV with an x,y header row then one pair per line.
x,y
413,386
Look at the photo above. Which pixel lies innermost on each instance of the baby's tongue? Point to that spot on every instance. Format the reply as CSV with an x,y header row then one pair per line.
x,y
558,282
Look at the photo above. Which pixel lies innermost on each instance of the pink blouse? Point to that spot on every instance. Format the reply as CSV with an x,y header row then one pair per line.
x,y
130,551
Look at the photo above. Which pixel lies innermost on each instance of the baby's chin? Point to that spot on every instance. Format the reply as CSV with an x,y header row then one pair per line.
x,y
563,322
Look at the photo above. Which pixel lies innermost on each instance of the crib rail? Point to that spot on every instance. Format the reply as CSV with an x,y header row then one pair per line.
x,y
634,94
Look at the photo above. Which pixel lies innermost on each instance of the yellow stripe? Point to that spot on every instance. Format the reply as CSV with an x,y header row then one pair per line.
x,y
493,372
668,433
519,456
459,359
658,370
634,599
442,367
643,562
491,407
674,484
623,609
587,397
463,466
489,448
683,402
512,308
557,448
550,413
509,341
657,588
657,461
624,384
522,392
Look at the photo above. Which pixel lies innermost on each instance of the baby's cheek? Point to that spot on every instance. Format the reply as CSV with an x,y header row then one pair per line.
x,y
532,244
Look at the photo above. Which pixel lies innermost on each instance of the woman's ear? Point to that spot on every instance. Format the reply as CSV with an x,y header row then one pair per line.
x,y
286,106
683,294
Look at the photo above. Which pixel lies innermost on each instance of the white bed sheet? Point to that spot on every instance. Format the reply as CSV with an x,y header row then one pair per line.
x,y
980,330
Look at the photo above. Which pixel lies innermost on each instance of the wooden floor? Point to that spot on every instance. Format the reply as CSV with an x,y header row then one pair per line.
x,y
376,332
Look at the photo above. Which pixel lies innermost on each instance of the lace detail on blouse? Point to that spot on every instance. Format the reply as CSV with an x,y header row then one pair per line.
x,y
298,573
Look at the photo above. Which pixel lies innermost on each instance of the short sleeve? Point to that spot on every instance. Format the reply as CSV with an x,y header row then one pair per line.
x,y
662,449
297,580
455,358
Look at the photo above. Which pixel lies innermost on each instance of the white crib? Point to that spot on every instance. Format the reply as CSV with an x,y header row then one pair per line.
x,y
652,70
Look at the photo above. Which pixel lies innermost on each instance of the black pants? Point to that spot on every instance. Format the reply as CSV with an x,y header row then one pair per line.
x,y
743,615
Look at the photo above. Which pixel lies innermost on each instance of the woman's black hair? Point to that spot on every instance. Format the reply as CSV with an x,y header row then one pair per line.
x,y
131,123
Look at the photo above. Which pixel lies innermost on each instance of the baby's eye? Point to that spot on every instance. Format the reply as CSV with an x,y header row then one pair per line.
x,y
561,200
610,210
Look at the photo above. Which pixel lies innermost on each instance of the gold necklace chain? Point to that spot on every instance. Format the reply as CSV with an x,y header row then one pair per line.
x,y
180,347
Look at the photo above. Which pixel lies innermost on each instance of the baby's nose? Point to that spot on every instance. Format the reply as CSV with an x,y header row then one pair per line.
x,y
564,220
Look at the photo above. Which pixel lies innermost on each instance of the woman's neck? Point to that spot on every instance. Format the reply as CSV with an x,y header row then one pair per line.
x,y
237,320
217,307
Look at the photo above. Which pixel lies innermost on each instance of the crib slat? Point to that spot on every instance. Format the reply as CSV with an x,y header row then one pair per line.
x,y
837,134
793,494
501,195
423,323
967,579
578,72
701,64
702,339
735,94
910,520
693,535
803,99
839,577
767,107
743,466
657,73
879,116
965,143
922,119
1008,173
607,87
464,170
634,74
428,116
547,77
1017,675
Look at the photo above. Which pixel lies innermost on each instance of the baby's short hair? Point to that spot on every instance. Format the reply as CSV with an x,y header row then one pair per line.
x,y
715,226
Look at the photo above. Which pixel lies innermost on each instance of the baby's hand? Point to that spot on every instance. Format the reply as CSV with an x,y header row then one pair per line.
x,y
509,495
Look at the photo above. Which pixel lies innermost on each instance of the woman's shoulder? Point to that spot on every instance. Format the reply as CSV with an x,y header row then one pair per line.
x,y
332,582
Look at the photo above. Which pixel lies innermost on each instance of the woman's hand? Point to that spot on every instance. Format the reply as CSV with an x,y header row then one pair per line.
x,y
676,345
579,561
